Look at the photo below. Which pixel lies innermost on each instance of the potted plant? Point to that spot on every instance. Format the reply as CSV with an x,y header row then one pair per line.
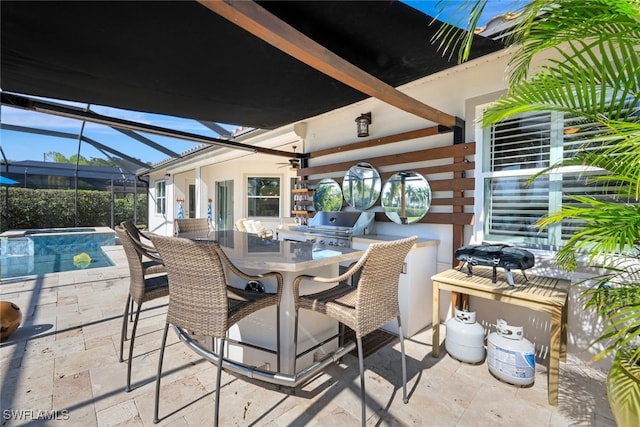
x,y
591,72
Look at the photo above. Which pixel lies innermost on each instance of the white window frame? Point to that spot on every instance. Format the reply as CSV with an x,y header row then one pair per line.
x,y
553,237
161,200
278,197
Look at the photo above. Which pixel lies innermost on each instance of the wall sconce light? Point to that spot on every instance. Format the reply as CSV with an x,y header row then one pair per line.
x,y
362,122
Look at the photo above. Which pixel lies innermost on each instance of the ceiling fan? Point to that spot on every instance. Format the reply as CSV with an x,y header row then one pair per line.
x,y
293,162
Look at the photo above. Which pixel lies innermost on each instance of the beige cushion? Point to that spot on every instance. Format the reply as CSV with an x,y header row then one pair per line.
x,y
249,224
240,225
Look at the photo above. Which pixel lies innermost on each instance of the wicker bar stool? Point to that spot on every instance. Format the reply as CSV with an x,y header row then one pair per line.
x,y
191,225
151,261
145,284
202,302
367,306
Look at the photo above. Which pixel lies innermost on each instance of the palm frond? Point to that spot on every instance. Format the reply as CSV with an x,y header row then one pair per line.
x,y
608,229
545,24
580,85
550,24
614,296
623,327
458,36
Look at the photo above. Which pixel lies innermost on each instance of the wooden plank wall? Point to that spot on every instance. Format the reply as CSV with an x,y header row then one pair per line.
x,y
457,162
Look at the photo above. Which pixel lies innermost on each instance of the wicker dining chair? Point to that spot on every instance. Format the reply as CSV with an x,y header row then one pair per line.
x,y
191,225
202,302
145,284
368,305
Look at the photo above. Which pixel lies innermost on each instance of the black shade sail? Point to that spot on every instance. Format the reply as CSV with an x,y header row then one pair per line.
x,y
179,58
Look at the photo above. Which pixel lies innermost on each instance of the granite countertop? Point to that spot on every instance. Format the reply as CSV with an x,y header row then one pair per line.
x,y
371,238
368,238
250,251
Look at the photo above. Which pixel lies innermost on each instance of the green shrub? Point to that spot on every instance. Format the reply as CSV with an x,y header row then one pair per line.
x,y
22,208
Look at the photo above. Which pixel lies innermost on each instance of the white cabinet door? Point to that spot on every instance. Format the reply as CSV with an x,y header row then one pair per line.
x,y
415,290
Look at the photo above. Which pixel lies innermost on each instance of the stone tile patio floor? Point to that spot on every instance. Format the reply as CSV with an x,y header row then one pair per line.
x,y
62,363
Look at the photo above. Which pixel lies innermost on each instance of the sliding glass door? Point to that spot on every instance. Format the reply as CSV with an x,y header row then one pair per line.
x,y
224,205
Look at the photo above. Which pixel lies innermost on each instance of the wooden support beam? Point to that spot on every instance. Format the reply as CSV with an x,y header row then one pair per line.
x,y
436,218
405,136
256,20
466,149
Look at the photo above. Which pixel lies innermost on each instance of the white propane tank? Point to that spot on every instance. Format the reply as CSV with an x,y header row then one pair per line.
x,y
465,338
510,356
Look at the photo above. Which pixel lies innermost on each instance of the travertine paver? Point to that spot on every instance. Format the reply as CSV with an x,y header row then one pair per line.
x,y
125,413
63,363
72,392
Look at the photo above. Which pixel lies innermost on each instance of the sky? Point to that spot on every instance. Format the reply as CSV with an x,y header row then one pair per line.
x,y
24,146
449,13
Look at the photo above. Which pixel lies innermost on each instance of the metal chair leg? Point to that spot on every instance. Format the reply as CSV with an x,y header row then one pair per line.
x,y
133,338
362,392
123,333
131,311
405,399
295,342
156,420
278,338
218,378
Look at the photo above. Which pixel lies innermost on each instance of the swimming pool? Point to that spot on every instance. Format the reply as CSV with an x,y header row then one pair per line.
x,y
51,250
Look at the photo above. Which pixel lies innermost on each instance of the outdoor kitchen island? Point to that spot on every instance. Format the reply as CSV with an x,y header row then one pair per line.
x,y
255,255
415,289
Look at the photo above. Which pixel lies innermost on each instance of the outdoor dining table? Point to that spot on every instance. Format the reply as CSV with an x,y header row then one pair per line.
x,y
254,255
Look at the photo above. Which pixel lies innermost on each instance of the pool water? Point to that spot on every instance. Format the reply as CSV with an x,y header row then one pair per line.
x,y
36,252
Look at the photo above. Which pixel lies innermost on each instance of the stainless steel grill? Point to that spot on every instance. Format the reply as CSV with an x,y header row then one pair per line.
x,y
337,228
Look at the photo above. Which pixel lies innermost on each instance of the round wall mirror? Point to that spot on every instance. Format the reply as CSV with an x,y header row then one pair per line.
x,y
328,196
361,186
406,197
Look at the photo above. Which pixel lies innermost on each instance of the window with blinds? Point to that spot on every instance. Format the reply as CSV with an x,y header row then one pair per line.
x,y
518,148
520,143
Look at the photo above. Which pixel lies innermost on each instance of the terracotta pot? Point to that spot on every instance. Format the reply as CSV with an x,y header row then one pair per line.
x,y
10,318
623,389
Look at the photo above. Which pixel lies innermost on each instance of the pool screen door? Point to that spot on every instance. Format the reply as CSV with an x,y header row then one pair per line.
x,y
224,205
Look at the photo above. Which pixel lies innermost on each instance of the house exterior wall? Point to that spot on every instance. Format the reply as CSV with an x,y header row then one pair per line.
x,y
457,91
221,165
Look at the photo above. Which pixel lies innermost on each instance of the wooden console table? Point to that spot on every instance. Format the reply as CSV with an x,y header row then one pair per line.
x,y
543,294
